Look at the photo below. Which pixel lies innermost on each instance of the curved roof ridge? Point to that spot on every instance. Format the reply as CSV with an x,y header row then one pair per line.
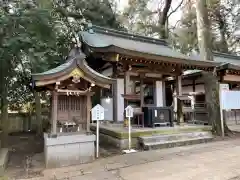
x,y
76,60
126,35
226,55
59,68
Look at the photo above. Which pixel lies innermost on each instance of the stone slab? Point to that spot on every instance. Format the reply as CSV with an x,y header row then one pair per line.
x,y
171,144
69,150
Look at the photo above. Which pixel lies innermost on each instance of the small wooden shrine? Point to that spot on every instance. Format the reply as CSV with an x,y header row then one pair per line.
x,y
71,85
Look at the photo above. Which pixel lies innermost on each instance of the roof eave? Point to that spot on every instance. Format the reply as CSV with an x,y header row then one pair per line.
x,y
119,50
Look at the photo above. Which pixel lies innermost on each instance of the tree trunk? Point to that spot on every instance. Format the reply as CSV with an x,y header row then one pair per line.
x,y
211,83
180,117
203,31
222,29
38,113
4,116
211,86
162,19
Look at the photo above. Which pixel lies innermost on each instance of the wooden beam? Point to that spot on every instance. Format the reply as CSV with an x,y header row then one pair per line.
x,y
146,79
168,61
231,78
154,69
112,57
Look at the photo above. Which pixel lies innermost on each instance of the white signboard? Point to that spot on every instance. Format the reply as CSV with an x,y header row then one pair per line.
x,y
223,89
129,111
97,113
230,99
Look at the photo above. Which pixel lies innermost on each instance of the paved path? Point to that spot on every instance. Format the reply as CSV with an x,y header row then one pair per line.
x,y
212,161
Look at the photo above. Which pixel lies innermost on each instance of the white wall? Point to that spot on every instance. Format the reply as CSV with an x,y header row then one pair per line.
x,y
107,104
159,94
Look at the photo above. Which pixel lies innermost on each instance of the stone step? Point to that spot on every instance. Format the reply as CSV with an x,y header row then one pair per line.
x,y
174,137
3,160
177,143
173,140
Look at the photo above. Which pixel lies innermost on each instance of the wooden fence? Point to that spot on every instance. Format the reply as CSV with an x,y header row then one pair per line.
x,y
19,122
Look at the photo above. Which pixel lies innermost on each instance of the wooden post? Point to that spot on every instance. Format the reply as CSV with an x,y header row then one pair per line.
x,y
179,85
127,88
54,111
141,91
89,107
194,85
114,94
180,118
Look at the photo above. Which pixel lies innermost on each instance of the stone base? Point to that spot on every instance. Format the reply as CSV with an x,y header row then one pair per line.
x,y
116,136
117,143
68,149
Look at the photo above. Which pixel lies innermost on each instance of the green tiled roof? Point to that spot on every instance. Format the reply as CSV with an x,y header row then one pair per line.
x,y
227,61
103,40
99,37
60,68
76,59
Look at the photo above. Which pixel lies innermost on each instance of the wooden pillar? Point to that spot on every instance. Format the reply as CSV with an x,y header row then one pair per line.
x,y
54,111
89,107
179,85
180,118
127,88
141,90
194,85
115,93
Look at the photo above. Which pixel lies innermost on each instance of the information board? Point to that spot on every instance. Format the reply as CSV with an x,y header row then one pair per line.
x,y
230,100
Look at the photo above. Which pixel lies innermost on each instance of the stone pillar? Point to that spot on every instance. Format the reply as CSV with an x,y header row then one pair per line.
x,y
54,111
160,94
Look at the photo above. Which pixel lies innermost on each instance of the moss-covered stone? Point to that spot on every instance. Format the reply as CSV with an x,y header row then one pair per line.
x,y
124,135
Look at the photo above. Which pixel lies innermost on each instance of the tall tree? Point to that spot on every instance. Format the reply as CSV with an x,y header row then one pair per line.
x,y
222,17
148,17
36,36
210,79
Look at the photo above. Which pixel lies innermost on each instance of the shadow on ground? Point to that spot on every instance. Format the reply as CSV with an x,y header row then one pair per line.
x,y
26,157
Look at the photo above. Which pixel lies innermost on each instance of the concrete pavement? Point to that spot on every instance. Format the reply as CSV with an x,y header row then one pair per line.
x,y
213,161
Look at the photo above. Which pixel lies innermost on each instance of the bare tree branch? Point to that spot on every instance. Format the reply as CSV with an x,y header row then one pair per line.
x,y
173,11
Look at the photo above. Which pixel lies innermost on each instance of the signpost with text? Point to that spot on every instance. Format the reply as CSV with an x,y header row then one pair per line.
x,y
129,115
97,115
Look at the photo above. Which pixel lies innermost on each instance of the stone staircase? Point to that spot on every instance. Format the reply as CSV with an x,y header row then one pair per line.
x,y
174,140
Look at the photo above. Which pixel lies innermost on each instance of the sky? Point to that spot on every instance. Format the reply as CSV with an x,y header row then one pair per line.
x,y
173,18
